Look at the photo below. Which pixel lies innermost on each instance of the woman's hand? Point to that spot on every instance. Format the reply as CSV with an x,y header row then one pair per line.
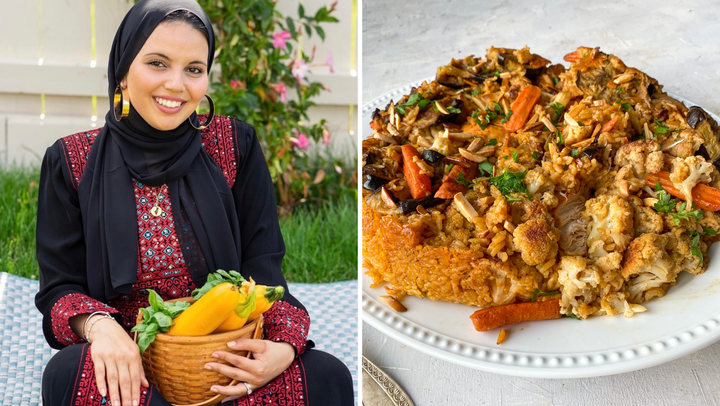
x,y
270,359
118,364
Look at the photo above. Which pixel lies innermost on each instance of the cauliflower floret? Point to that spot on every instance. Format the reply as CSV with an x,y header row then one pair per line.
x,y
626,181
537,183
580,286
644,156
573,229
610,221
498,212
616,302
685,260
647,267
646,220
684,146
536,241
442,143
688,172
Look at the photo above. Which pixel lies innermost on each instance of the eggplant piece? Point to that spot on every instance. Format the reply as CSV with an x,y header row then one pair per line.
x,y
376,114
591,151
373,183
696,115
409,206
651,90
533,73
431,156
431,117
452,77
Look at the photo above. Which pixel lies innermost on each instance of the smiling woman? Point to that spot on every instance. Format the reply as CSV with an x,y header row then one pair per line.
x,y
158,199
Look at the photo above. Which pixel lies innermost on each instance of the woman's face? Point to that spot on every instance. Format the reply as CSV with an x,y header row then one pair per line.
x,y
168,78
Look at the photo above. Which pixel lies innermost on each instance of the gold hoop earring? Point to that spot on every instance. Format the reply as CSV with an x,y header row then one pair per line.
x,y
121,107
210,117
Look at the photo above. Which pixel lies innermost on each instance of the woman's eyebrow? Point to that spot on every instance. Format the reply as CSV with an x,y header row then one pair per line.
x,y
169,59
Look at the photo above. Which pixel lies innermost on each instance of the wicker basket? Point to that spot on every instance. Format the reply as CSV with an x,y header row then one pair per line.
x,y
175,365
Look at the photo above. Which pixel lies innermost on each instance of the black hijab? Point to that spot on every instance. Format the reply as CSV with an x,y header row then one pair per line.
x,y
132,149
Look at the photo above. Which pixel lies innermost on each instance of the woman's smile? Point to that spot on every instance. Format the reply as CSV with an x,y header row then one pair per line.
x,y
168,78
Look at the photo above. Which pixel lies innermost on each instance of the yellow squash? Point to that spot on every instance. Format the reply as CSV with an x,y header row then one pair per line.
x,y
205,315
265,296
239,316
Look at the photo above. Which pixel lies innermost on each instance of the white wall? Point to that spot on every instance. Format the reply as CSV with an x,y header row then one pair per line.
x,y
62,38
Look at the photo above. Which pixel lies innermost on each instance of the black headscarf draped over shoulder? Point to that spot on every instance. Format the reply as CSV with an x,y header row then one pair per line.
x,y
204,212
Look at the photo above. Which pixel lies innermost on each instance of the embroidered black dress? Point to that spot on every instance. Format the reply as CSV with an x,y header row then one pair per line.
x,y
314,377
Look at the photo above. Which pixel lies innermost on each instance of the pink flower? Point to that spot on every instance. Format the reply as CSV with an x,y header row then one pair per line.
x,y
280,38
326,136
299,69
280,88
332,6
329,62
301,141
235,84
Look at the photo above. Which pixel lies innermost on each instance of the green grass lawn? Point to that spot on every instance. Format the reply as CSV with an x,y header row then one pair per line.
x,y
321,243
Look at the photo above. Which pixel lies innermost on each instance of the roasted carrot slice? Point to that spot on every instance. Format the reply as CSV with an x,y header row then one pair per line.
x,y
522,107
499,316
450,185
420,184
609,125
375,126
705,197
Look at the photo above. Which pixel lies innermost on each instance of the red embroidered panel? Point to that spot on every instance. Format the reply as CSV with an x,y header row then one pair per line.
x,y
86,392
219,143
285,322
71,305
77,149
288,389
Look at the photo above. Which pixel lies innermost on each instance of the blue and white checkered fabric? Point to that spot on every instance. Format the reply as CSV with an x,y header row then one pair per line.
x,y
24,352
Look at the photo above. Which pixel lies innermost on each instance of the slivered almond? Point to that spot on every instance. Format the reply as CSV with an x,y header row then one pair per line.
x,y
421,209
423,142
509,226
464,207
392,302
460,136
505,75
648,134
475,144
392,130
486,150
548,124
477,102
391,111
571,121
599,103
441,108
504,106
650,201
425,169
470,156
625,77
389,202
583,143
384,138
597,129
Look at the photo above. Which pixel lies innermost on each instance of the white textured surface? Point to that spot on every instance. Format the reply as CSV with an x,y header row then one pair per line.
x,y
676,44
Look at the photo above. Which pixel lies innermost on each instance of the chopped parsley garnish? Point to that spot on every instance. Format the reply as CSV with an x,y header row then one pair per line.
x,y
481,124
555,81
486,167
538,291
625,106
505,120
558,108
694,247
619,90
581,124
497,73
559,138
449,167
510,182
535,155
574,153
465,182
658,188
663,129
453,110
572,316
475,91
709,231
474,114
684,214
515,157
414,99
492,141
513,199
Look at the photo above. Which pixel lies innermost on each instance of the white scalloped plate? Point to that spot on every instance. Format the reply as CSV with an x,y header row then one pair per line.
x,y
684,321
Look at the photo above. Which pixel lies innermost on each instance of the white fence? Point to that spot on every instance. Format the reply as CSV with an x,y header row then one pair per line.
x,y
46,49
